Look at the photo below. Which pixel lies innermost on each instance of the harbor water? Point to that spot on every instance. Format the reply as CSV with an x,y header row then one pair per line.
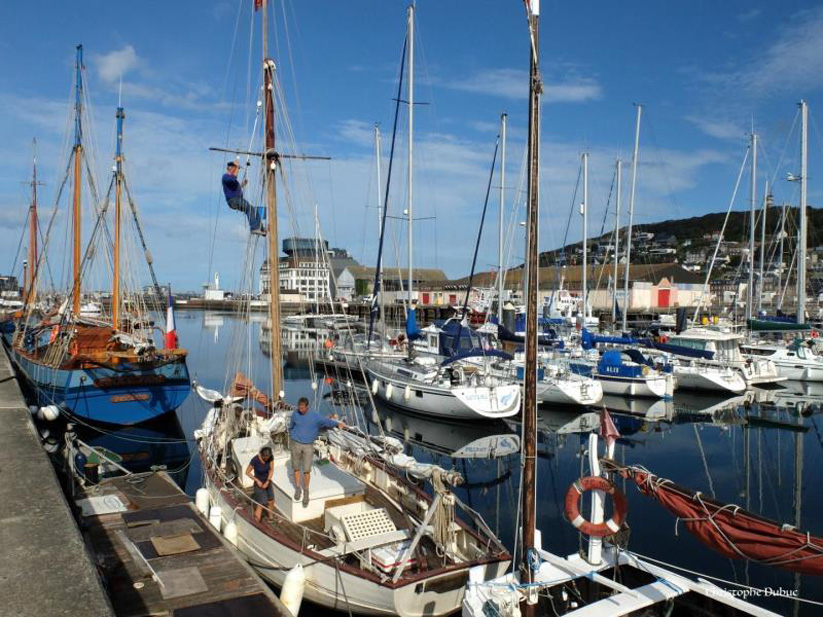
x,y
764,453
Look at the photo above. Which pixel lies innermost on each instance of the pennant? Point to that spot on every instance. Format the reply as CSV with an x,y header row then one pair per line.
x,y
534,6
258,4
608,430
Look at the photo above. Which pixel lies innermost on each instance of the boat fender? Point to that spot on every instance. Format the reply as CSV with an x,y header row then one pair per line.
x,y
215,517
292,593
375,386
33,409
201,500
646,371
389,390
572,509
230,533
314,385
407,393
49,413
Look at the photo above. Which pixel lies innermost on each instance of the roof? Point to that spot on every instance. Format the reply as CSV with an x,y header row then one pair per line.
x,y
391,274
572,275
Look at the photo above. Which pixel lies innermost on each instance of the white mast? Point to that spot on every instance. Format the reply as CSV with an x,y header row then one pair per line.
x,y
801,244
379,180
619,174
626,302
761,283
753,195
584,210
411,133
503,119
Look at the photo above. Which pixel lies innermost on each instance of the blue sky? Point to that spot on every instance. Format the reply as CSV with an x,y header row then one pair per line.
x,y
704,72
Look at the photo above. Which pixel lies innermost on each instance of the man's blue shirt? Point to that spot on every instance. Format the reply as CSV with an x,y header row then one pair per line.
x,y
231,187
305,427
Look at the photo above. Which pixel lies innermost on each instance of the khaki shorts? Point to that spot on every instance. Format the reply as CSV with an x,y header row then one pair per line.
x,y
302,455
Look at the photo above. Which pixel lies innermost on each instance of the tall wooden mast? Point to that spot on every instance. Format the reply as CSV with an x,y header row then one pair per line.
x,y
32,271
270,162
529,439
118,188
78,178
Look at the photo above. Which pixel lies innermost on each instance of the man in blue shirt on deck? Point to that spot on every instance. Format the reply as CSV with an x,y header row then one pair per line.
x,y
304,428
233,190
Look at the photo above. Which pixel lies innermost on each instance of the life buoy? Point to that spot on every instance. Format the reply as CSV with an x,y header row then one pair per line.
x,y
815,333
664,338
572,510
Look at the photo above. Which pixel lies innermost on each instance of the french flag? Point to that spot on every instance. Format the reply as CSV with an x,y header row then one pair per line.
x,y
171,334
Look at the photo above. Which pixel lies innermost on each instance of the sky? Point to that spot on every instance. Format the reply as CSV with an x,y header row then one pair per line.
x,y
188,75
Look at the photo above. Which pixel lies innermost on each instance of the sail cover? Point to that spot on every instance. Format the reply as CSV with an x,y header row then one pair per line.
x,y
729,529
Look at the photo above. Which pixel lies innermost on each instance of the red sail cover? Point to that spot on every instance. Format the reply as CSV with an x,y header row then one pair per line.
x,y
733,531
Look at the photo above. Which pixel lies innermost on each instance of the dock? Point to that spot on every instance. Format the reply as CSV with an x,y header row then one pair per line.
x,y
45,569
159,556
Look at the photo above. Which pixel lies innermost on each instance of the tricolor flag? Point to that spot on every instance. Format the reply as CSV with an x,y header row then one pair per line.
x,y
608,430
171,334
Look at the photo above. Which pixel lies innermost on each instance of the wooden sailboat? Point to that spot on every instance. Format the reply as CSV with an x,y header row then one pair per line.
x,y
548,584
369,539
94,369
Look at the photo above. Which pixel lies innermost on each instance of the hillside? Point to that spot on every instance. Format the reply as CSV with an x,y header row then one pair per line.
x,y
698,229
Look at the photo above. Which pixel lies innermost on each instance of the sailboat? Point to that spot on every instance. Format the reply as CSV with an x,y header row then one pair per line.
x,y
460,383
90,367
369,540
548,584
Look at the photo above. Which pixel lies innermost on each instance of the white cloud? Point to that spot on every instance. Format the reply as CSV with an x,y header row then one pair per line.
x,y
792,60
514,84
113,66
718,128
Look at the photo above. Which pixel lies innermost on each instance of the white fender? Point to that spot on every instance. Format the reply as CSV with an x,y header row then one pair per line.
x,y
375,386
216,517
407,393
50,413
389,390
292,593
230,532
201,500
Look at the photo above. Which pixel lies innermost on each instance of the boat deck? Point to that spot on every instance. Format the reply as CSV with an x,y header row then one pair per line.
x,y
159,556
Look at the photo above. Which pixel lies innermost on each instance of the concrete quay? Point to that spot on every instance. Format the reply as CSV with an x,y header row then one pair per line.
x,y
45,569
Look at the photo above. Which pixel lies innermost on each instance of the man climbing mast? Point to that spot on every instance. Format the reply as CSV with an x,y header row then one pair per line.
x,y
233,190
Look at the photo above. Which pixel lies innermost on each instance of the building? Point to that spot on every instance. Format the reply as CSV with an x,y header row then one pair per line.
x,y
653,287
304,271
212,291
359,281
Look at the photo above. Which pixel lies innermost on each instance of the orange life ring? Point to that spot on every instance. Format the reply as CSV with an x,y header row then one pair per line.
x,y
595,483
664,338
815,333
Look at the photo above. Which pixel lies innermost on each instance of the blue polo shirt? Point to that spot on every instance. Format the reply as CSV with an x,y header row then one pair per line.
x,y
231,187
305,427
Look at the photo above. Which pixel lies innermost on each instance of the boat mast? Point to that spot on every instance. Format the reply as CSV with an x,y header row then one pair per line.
x,y
32,230
378,158
619,177
270,161
584,211
752,229
411,142
801,244
529,440
118,187
761,284
503,121
626,302
78,177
